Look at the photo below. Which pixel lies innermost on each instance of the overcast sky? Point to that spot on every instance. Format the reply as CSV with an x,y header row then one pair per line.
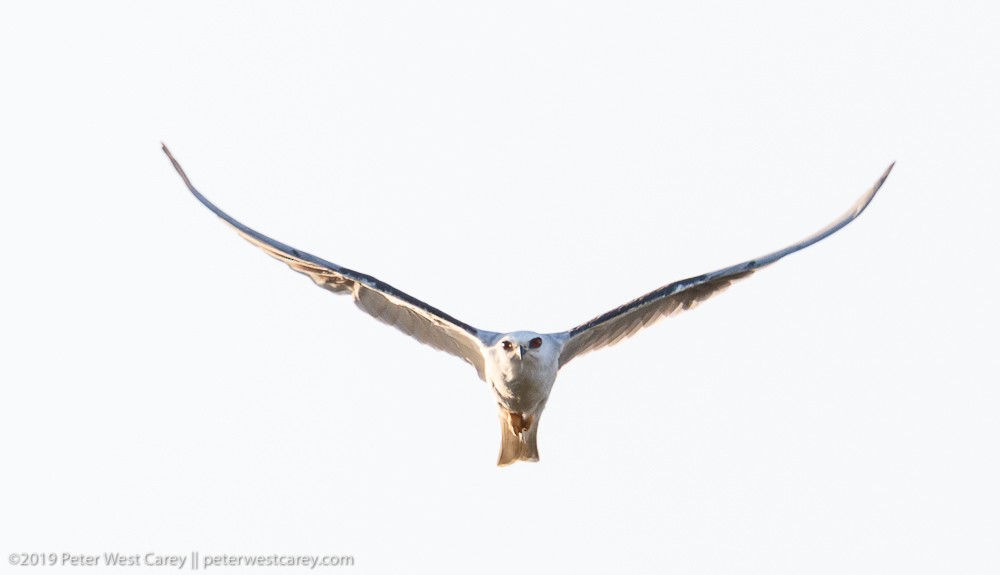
x,y
521,165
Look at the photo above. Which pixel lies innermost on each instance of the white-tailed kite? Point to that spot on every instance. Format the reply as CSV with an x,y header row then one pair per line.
x,y
520,366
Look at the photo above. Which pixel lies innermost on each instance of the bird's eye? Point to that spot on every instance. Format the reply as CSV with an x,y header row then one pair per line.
x,y
507,346
535,343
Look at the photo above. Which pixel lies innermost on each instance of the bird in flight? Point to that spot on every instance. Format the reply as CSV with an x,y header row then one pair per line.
x,y
519,366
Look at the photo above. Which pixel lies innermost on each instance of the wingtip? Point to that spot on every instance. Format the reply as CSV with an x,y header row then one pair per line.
x,y
885,175
180,171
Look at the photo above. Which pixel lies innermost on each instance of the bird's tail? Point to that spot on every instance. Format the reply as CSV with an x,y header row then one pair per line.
x,y
517,441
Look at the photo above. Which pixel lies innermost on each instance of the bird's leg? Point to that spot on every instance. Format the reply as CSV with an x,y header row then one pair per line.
x,y
514,422
518,423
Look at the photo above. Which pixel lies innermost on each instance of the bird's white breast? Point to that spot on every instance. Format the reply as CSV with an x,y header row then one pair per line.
x,y
523,385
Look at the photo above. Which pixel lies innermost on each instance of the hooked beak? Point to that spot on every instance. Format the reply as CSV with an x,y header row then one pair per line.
x,y
521,350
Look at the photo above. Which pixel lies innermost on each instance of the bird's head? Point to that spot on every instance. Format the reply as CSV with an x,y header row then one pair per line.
x,y
523,346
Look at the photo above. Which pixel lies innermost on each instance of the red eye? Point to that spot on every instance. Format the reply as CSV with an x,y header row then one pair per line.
x,y
535,343
507,346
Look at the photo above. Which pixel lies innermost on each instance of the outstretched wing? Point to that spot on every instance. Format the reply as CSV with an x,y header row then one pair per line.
x,y
425,323
624,321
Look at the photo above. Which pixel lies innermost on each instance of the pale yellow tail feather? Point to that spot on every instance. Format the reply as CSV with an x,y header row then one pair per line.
x,y
517,447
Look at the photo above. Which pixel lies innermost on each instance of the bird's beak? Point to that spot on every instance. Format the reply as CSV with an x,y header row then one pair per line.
x,y
521,350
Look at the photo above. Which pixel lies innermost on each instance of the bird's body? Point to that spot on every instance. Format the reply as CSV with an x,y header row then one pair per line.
x,y
520,367
521,379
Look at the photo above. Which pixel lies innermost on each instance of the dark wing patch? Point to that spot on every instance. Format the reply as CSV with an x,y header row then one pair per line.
x,y
423,322
624,321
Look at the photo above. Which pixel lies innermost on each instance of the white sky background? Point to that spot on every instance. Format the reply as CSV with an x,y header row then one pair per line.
x,y
521,165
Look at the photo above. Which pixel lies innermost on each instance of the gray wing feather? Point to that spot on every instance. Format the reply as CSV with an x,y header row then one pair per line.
x,y
624,321
423,322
